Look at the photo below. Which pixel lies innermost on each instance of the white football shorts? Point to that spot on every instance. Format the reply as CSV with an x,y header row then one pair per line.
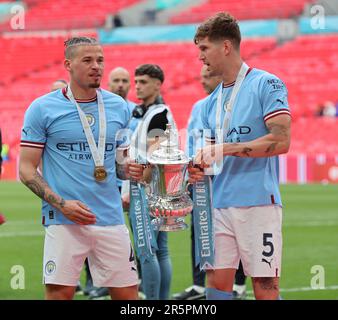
x,y
252,235
108,248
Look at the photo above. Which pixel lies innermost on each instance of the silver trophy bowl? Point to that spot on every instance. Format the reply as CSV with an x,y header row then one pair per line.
x,y
168,199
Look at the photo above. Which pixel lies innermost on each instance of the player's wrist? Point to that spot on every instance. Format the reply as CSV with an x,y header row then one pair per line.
x,y
60,204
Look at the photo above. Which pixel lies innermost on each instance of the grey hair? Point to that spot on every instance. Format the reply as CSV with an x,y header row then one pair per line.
x,y
71,43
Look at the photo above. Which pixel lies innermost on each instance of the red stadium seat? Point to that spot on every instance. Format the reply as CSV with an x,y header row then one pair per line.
x,y
242,10
310,80
67,15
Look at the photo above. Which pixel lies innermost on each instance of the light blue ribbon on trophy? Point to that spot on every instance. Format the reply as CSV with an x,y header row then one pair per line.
x,y
144,238
203,223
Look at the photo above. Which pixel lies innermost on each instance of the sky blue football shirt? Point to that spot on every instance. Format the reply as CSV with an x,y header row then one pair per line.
x,y
52,123
247,181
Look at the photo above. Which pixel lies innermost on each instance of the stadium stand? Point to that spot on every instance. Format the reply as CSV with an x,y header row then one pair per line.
x,y
64,15
36,68
313,136
242,10
299,63
308,65
29,55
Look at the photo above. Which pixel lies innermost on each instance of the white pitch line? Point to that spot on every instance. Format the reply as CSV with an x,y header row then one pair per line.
x,y
311,224
21,222
333,287
21,234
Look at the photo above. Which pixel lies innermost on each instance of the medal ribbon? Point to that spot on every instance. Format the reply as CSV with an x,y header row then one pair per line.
x,y
97,152
228,108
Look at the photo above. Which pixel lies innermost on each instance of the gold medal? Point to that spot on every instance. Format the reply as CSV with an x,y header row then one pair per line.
x,y
100,173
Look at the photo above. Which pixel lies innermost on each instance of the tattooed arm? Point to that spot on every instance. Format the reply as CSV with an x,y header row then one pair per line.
x,y
29,161
74,210
276,142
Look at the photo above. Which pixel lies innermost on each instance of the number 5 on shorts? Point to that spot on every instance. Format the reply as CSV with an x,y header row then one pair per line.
x,y
267,243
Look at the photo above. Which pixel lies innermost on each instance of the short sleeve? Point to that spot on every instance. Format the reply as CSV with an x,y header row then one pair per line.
x,y
124,134
208,131
274,97
33,133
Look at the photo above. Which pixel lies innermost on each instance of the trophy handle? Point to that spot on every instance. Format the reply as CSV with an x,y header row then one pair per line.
x,y
186,187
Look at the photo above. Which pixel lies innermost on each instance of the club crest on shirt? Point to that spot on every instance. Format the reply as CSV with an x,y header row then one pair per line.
x,y
90,119
50,267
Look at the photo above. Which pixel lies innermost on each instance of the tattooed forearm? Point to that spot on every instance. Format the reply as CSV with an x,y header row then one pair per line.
x,y
53,200
39,186
278,129
271,148
246,151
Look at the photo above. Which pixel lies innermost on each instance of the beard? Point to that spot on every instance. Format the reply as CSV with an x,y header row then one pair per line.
x,y
122,93
94,85
215,72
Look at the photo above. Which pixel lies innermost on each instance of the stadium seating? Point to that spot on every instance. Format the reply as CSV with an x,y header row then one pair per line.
x,y
67,15
39,63
309,67
300,63
315,136
29,55
242,10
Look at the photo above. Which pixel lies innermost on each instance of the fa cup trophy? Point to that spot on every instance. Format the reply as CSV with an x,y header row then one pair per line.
x,y
168,198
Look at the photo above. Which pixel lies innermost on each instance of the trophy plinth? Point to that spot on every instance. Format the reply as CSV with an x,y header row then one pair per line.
x,y
168,199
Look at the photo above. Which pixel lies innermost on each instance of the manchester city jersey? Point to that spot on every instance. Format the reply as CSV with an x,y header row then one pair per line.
x,y
52,123
247,181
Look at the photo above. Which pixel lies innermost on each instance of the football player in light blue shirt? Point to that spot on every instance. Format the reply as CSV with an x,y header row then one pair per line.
x,y
82,211
256,129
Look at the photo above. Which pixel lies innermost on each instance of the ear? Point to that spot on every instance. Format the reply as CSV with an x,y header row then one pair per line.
x,y
227,45
67,64
158,84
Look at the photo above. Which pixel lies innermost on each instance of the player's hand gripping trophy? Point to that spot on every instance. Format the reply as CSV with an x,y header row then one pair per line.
x,y
168,198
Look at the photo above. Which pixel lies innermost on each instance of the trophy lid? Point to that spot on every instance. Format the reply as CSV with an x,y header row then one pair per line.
x,y
168,152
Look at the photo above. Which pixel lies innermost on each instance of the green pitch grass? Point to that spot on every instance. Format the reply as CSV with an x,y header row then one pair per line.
x,y
310,240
